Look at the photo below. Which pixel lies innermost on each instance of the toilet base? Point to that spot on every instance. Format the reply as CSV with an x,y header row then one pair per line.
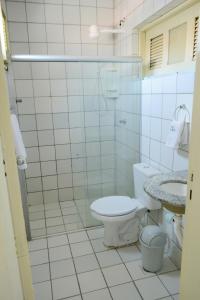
x,y
117,234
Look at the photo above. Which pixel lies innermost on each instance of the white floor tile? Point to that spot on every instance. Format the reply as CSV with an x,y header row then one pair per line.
x,y
59,253
151,288
62,268
86,263
82,248
53,213
55,229
39,257
98,295
43,291
98,245
38,244
65,204
40,273
69,211
77,237
136,270
91,281
129,253
37,233
116,275
71,219
171,281
108,258
54,221
59,240
65,287
95,233
125,291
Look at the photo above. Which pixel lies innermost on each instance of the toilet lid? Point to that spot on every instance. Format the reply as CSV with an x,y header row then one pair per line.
x,y
114,206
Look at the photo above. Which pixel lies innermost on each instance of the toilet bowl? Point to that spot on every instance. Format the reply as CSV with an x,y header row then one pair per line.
x,y
121,215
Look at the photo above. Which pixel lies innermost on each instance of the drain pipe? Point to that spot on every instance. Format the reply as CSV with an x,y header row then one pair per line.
x,y
178,228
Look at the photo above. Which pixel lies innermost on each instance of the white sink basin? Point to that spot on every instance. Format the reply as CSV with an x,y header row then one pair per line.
x,y
175,188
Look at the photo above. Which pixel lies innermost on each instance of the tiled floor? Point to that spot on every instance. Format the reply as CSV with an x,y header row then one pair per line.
x,y
54,218
77,266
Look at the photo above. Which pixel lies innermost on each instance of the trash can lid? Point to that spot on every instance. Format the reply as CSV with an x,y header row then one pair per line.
x,y
152,236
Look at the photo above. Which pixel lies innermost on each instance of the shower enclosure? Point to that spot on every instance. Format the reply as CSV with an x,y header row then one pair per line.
x,y
80,120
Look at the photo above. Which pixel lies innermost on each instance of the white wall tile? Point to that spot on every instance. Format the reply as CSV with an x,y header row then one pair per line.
x,y
64,166
156,105
16,11
43,105
33,170
155,148
44,121
53,14
47,153
71,15
35,12
18,32
59,104
58,87
24,88
185,83
76,119
41,88
169,84
169,106
45,137
88,15
36,32
61,136
156,85
104,17
155,128
54,33
48,168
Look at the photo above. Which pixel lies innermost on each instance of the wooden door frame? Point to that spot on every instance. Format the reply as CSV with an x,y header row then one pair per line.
x,y
14,188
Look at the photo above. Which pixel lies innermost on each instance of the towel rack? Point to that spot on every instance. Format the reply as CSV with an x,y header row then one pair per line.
x,y
180,108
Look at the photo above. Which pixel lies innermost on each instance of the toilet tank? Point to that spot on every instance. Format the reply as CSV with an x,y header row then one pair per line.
x,y
141,172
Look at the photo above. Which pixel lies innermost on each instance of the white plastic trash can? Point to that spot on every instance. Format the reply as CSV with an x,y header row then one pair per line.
x,y
153,242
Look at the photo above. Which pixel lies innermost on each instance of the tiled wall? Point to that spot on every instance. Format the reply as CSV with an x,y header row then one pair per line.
x,y
68,132
160,96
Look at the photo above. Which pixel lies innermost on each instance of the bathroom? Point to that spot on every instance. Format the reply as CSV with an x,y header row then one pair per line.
x,y
94,89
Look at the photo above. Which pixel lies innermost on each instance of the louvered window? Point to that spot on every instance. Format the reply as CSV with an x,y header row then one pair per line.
x,y
156,52
196,34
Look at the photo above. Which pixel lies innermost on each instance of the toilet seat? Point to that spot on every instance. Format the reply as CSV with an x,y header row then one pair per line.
x,y
114,206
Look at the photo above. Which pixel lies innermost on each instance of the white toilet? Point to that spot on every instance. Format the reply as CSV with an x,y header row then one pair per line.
x,y
121,215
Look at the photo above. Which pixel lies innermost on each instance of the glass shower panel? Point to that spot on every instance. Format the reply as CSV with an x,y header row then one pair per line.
x,y
80,123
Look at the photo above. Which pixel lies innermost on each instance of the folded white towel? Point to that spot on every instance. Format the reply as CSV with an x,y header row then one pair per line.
x,y
20,150
175,133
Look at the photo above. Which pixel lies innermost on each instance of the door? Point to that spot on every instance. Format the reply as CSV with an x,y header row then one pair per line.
x,y
10,283
190,271
14,196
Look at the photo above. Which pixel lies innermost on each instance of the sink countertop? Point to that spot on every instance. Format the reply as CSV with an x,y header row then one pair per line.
x,y
153,188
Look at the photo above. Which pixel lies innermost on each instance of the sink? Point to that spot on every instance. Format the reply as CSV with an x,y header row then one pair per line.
x,y
170,189
174,188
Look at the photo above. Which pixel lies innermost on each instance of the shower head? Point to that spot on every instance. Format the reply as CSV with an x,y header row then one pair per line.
x,y
95,31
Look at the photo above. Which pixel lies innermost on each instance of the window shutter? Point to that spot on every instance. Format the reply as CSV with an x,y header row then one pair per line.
x,y
156,52
196,35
